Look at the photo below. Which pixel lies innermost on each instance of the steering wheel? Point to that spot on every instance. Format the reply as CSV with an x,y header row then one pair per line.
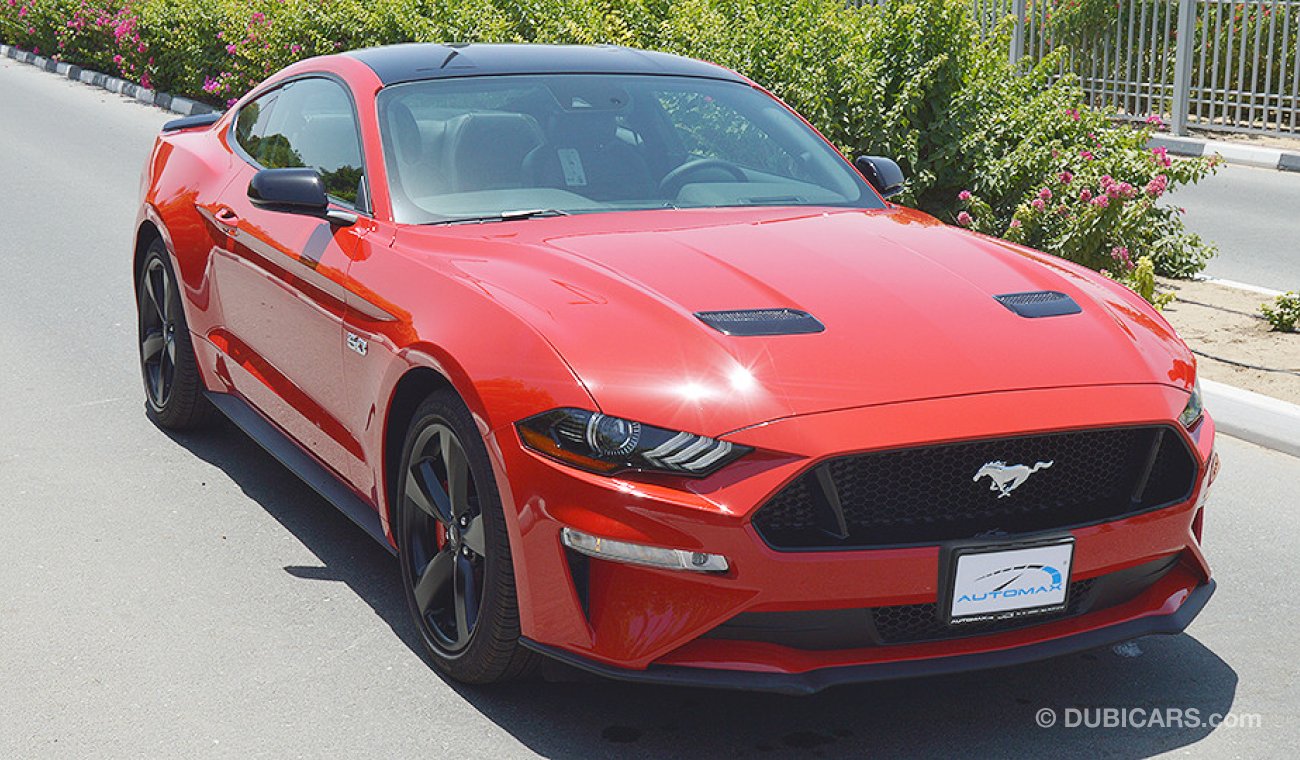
x,y
675,180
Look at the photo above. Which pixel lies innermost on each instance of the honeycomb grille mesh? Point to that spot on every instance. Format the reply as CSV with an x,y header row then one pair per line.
x,y
932,494
909,623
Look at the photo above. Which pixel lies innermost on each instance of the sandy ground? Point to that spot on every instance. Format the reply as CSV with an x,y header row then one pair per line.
x,y
1223,322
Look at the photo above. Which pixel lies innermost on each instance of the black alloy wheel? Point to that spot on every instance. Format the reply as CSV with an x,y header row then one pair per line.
x,y
446,546
158,332
453,547
173,389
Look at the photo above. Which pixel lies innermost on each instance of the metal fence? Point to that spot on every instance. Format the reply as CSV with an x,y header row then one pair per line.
x,y
1206,64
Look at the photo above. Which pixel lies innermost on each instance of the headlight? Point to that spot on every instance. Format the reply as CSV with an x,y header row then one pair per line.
x,y
604,444
1194,409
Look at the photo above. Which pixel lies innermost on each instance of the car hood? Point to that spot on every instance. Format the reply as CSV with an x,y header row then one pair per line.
x,y
906,301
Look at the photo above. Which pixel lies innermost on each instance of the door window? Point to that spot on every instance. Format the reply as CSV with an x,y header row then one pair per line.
x,y
306,123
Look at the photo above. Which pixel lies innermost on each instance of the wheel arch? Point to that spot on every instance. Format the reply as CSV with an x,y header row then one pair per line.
x,y
412,388
145,234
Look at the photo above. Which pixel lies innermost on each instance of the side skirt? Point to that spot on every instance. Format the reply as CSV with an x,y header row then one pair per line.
x,y
302,464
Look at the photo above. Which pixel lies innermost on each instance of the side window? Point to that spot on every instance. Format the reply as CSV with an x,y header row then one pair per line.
x,y
309,122
251,124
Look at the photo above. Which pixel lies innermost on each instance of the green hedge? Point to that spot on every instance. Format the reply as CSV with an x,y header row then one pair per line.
x,y
1008,153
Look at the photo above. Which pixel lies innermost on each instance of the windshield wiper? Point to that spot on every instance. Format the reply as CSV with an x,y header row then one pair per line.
x,y
504,216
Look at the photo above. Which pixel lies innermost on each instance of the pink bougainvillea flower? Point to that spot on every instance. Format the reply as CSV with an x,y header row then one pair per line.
x,y
1038,204
1162,156
1086,155
295,48
1045,194
1121,255
964,219
1101,201
1065,177
1015,224
230,49
1085,195
964,195
1157,186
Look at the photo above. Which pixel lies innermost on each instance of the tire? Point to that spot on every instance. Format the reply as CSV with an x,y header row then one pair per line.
x,y
173,390
453,548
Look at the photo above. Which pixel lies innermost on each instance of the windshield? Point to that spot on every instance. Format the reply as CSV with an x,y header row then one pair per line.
x,y
492,147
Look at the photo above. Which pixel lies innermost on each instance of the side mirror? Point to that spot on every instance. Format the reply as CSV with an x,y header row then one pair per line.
x,y
882,173
294,191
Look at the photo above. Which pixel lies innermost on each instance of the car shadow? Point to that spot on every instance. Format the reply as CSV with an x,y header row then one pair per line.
x,y
986,713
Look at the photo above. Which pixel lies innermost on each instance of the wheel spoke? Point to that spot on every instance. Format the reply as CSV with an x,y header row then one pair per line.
x,y
151,290
166,370
433,579
473,536
169,299
171,349
466,599
158,293
424,490
457,464
153,344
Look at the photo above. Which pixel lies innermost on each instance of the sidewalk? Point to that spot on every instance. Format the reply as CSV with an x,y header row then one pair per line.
x,y
1265,152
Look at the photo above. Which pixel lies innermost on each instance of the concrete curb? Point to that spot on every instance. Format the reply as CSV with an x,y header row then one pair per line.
x,y
1233,153
1253,417
165,101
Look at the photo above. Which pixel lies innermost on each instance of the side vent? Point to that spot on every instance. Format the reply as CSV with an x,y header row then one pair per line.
x,y
761,322
1039,303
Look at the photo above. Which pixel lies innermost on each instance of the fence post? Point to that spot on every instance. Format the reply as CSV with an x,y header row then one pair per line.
x,y
1018,33
1183,52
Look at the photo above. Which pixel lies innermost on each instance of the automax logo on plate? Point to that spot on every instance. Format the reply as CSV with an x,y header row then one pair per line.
x,y
1002,582
1011,582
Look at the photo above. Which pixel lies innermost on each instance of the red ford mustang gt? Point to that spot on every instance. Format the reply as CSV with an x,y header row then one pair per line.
x,y
633,370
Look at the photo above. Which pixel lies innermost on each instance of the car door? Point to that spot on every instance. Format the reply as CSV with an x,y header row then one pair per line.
x,y
280,279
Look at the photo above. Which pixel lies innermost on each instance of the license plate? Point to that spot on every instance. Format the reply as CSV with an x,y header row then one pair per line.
x,y
992,583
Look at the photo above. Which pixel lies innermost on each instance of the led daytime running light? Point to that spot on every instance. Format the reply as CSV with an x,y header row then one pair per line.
x,y
640,554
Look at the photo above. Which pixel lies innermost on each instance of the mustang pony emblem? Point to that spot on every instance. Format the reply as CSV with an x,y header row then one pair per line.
x,y
1007,478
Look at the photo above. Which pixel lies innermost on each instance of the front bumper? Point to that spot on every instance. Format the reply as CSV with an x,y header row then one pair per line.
x,y
639,623
813,681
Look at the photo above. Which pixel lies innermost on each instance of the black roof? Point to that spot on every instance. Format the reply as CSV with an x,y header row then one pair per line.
x,y
411,62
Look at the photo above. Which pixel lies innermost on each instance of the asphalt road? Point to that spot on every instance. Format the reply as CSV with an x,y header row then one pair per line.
x,y
184,596
1253,215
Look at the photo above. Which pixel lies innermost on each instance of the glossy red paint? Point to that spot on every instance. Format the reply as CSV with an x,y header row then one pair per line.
x,y
596,311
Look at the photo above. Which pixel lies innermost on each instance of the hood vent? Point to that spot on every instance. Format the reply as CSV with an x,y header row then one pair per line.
x,y
761,322
1039,303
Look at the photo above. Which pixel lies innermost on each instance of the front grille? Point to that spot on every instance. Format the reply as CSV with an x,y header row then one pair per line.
x,y
910,623
931,494
857,628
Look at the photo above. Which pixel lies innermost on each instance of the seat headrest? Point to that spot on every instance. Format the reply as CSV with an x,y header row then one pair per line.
x,y
485,151
406,133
